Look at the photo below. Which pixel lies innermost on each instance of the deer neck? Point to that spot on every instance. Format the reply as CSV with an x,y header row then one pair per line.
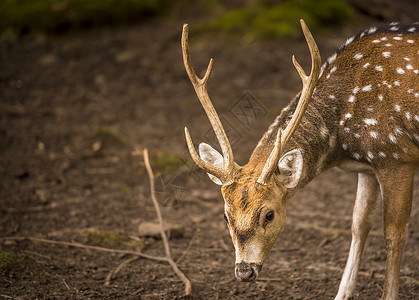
x,y
316,138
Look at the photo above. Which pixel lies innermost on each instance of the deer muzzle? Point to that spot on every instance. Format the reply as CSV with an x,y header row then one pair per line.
x,y
247,271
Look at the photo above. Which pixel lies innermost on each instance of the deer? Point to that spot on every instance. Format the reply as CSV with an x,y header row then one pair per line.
x,y
359,111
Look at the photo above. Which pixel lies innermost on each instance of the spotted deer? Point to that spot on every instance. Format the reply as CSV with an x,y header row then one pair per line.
x,y
360,112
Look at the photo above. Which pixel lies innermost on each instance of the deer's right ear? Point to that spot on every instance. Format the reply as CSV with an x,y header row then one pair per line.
x,y
213,157
291,168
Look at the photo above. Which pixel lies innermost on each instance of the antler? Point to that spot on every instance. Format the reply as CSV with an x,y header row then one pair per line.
x,y
309,82
200,86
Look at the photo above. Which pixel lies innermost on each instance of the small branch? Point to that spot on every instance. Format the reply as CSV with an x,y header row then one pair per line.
x,y
115,272
78,245
66,285
179,273
156,204
189,247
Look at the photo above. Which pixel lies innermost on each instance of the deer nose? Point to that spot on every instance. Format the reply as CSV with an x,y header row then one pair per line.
x,y
247,272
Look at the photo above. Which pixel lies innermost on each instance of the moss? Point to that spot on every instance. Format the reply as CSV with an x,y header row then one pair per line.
x,y
112,240
165,162
10,263
108,136
267,21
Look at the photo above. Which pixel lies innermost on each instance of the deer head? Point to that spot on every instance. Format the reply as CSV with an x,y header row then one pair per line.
x,y
255,194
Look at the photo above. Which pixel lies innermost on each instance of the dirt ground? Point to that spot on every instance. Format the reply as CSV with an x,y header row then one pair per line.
x,y
74,108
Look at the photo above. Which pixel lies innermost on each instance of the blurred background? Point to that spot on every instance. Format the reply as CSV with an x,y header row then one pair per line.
x,y
83,84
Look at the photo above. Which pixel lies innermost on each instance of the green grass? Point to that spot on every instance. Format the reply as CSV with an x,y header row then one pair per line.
x,y
57,16
20,17
270,21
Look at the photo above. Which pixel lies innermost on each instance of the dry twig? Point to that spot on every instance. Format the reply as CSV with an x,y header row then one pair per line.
x,y
189,247
179,273
115,272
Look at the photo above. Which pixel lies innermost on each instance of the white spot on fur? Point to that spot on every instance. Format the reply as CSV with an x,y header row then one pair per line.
x,y
416,117
370,155
333,69
396,156
396,83
341,122
397,108
400,71
386,54
351,98
348,116
408,116
366,65
374,134
398,131
332,58
376,41
356,90
345,147
382,154
348,41
392,138
358,56
384,38
366,88
346,129
356,156
380,97
406,59
409,67
379,68
370,121
394,28
372,30
410,41
332,97
357,135
397,38
388,45
411,29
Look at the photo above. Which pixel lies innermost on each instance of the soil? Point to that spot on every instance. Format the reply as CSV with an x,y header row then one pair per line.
x,y
75,108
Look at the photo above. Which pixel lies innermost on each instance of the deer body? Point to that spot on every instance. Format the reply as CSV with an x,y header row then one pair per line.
x,y
360,112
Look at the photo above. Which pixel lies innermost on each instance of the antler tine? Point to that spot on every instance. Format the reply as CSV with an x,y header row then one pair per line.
x,y
200,86
309,83
272,160
217,172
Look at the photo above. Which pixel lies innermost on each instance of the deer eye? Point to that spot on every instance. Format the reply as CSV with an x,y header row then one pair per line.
x,y
269,216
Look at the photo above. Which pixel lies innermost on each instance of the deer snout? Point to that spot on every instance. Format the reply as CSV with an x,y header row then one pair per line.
x,y
246,271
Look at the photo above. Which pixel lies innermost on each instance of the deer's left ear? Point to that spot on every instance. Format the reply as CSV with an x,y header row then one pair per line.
x,y
212,156
290,168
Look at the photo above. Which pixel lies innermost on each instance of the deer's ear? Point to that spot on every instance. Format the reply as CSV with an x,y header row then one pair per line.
x,y
212,156
290,168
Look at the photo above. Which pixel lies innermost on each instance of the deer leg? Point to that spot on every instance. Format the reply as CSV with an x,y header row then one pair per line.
x,y
366,196
397,192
